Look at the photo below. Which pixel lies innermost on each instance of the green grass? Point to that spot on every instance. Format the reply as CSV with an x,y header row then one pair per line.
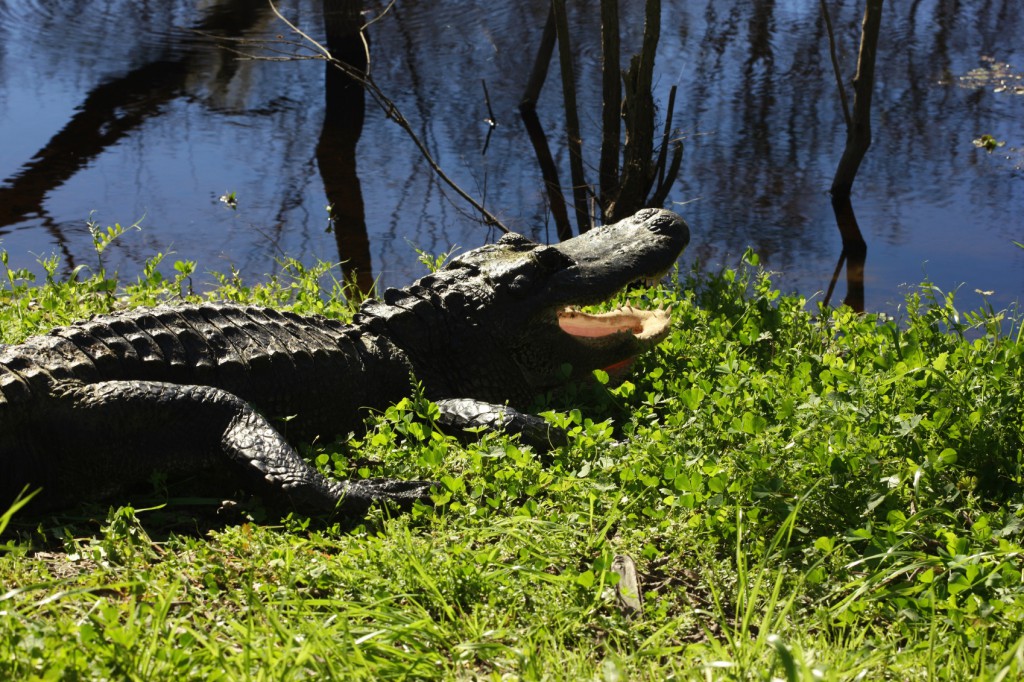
x,y
806,496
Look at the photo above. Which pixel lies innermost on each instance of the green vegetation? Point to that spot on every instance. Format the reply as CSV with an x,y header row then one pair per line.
x,y
806,496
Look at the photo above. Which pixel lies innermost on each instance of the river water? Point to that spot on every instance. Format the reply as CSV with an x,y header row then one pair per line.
x,y
132,109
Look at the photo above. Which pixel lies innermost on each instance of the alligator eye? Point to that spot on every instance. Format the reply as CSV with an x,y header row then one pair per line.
x,y
517,285
515,239
550,258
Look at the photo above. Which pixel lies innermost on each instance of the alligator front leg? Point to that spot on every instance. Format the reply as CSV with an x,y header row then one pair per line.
x,y
149,426
460,414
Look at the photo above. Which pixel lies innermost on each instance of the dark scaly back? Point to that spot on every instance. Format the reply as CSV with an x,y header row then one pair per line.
x,y
314,368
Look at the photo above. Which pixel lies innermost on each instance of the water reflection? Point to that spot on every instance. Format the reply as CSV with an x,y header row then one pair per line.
x,y
853,256
149,119
344,113
117,107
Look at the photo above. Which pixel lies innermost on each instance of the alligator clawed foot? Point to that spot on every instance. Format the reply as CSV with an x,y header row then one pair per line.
x,y
362,493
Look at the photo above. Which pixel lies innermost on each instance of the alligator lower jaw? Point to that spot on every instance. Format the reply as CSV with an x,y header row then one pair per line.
x,y
613,339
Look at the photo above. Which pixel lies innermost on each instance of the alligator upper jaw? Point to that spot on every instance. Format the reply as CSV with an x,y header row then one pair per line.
x,y
606,259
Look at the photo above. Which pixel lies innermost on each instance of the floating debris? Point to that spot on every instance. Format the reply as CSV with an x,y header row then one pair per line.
x,y
1000,76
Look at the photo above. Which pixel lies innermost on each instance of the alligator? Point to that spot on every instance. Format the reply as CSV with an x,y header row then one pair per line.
x,y
93,408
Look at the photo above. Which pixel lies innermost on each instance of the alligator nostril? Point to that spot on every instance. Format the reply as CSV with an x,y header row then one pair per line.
x,y
669,224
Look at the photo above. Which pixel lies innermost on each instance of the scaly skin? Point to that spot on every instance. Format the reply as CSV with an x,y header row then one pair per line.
x,y
88,410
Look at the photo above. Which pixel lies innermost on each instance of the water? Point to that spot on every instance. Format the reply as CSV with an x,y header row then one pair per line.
x,y
115,109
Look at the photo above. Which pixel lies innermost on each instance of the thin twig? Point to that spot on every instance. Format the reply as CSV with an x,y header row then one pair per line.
x,y
492,120
661,193
663,152
296,29
367,25
392,112
377,18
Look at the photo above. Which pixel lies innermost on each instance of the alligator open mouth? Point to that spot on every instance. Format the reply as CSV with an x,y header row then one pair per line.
x,y
617,336
551,340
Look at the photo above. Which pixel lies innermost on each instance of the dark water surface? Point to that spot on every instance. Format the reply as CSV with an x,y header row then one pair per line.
x,y
112,107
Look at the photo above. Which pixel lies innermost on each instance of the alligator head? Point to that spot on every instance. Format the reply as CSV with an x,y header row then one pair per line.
x,y
505,316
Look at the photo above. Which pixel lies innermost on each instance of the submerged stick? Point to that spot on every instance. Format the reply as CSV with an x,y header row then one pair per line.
x,y
611,101
528,112
858,129
574,139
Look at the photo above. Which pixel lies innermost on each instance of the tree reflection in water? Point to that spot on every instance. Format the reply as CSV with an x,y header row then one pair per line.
x,y
160,122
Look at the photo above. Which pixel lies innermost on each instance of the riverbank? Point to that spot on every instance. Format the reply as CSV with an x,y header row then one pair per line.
x,y
804,496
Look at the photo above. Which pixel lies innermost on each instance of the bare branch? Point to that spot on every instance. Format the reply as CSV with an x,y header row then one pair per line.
x,y
528,113
611,101
296,29
663,152
638,114
574,140
835,63
389,108
858,130
540,65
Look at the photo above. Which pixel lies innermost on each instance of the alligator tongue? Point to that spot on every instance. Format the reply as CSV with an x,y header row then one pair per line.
x,y
617,371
